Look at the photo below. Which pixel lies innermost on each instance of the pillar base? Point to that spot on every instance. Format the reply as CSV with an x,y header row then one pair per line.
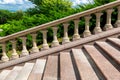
x,y
5,58
65,40
117,24
76,37
108,27
35,50
55,44
86,33
24,53
45,47
15,56
97,30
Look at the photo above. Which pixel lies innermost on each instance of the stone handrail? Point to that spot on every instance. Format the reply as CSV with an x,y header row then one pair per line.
x,y
65,21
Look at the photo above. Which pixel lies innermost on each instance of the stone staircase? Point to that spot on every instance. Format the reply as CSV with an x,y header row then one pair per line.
x,y
87,56
98,61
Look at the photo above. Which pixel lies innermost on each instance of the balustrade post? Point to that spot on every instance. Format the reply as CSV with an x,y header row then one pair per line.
x,y
24,51
76,35
14,53
65,38
108,24
4,54
98,29
45,45
35,49
55,40
87,31
117,24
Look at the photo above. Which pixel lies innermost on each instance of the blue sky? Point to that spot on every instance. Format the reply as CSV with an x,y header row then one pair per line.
x,y
14,5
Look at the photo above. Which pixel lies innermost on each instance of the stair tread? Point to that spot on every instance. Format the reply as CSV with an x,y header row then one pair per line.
x,y
66,67
14,72
4,74
51,70
116,41
84,67
24,73
110,72
38,70
111,51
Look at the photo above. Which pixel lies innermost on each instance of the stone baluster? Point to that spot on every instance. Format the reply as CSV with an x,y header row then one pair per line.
x,y
14,53
55,40
4,55
35,49
108,24
117,24
87,31
24,51
65,38
45,45
98,29
76,35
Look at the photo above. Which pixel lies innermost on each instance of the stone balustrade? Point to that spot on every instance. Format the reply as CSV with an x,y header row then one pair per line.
x,y
108,8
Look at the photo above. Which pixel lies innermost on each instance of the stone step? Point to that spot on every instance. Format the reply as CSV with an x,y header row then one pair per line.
x,y
66,67
14,73
4,74
114,41
38,70
25,72
51,69
111,51
107,69
85,70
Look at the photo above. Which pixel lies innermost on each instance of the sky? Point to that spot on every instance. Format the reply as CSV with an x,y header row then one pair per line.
x,y
14,5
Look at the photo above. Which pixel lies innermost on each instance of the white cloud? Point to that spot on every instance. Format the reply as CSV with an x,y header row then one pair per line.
x,y
13,1
14,5
75,2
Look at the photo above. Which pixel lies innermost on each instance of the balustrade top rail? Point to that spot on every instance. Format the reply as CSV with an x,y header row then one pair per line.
x,y
59,21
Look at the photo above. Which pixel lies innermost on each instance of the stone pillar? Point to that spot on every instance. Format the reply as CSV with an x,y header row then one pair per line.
x,y
65,38
14,53
98,29
55,40
35,49
24,51
4,55
45,45
87,31
108,24
117,24
76,35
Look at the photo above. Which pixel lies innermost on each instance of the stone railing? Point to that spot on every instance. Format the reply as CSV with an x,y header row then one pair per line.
x,y
108,8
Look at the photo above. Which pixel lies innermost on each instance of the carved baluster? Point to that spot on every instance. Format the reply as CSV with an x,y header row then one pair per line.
x,y
65,38
55,40
24,51
4,55
76,35
117,24
87,31
45,44
14,53
35,49
98,29
108,24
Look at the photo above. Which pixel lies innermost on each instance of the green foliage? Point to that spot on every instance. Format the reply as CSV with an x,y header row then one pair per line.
x,y
4,15
47,6
102,2
46,11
